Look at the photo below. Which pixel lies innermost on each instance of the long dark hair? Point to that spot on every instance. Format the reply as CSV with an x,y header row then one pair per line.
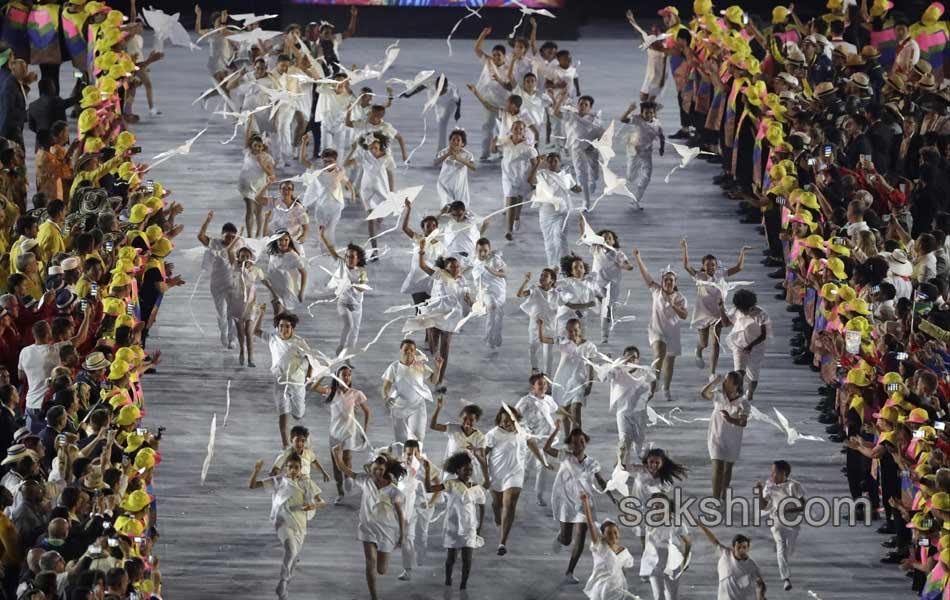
x,y
335,384
272,245
670,470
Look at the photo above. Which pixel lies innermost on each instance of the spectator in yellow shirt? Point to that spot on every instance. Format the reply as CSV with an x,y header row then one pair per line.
x,y
50,235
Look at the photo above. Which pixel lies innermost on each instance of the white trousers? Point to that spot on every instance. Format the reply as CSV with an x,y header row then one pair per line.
x,y
292,541
639,172
350,320
554,232
493,323
417,537
785,540
542,477
327,214
285,134
489,123
664,587
541,355
586,171
412,427
632,429
443,117
221,297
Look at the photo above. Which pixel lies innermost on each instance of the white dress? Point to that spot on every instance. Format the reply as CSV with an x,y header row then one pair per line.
x,y
607,580
460,237
344,428
724,440
571,290
452,183
515,166
506,460
283,275
458,441
657,560
655,75
746,328
409,392
664,323
706,311
572,478
492,289
447,306
291,218
537,415
461,515
572,372
374,180
253,179
243,291
379,523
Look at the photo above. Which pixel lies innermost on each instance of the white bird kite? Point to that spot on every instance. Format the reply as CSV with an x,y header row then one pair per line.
x,y
614,186
374,71
649,40
618,481
240,118
217,88
605,144
248,19
478,310
279,98
340,281
254,36
168,28
791,434
471,13
545,194
654,417
424,321
687,155
180,150
525,11
588,236
413,83
722,285
395,202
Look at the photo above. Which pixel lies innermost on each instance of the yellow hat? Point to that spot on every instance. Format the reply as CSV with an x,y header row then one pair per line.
x,y
133,442
118,369
734,14
154,203
779,15
127,415
917,521
125,354
93,8
837,268
125,320
834,4
932,14
702,8
888,436
162,248
940,501
120,280
154,233
92,144
806,199
917,416
829,292
136,501
104,61
814,241
139,353
145,459
128,252
124,141
846,293
784,186
855,376
139,213
839,249
126,170
159,190
892,378
858,305
129,527
87,120
880,7
889,414
858,324
113,306
91,97
115,18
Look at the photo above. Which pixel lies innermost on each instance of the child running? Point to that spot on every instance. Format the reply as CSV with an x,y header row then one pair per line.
x,y
345,431
538,412
517,158
455,163
540,305
642,132
491,276
349,299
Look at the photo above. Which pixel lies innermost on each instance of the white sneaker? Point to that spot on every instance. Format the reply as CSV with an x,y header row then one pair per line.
x,y
603,340
711,377
502,550
338,501
541,502
570,579
516,226
406,575
154,112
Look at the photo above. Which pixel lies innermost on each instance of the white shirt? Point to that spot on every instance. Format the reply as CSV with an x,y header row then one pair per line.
x,y
343,422
409,391
778,492
37,362
737,578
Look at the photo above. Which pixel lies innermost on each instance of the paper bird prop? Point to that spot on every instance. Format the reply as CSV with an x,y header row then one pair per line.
x,y
254,36
178,151
471,13
340,281
687,155
722,285
210,454
614,185
395,202
375,71
214,31
217,88
618,481
168,28
791,434
605,144
240,118
525,11
279,98
413,83
649,40
654,417
545,194
424,321
588,236
248,19
478,310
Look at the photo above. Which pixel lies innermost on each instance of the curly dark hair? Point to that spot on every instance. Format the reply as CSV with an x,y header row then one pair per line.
x,y
454,463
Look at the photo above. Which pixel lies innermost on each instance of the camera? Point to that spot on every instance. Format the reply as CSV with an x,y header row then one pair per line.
x,y
827,150
923,542
83,304
940,425
780,201
919,434
901,356
113,542
141,431
150,186
161,430
109,246
129,308
811,162
135,149
893,387
94,289
840,241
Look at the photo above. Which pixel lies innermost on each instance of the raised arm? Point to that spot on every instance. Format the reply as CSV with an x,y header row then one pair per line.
x,y
481,40
643,268
533,37
198,28
254,483
523,291
427,479
434,424
203,232
488,105
707,391
549,443
405,221
741,262
709,534
686,266
625,117
422,259
351,29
